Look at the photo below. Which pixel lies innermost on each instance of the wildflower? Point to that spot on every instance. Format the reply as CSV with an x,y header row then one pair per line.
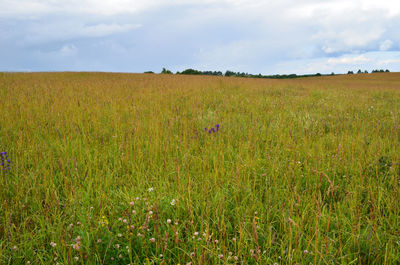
x,y
91,208
99,240
120,219
112,258
234,239
169,221
235,258
120,256
217,126
150,212
28,262
15,248
216,241
52,244
173,202
230,253
117,245
150,189
133,211
305,252
4,161
132,203
192,254
137,198
139,235
152,240
196,233
161,255
76,258
119,235
206,129
220,256
78,223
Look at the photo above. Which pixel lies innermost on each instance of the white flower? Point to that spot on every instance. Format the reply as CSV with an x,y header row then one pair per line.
x,y
52,244
169,221
173,202
150,189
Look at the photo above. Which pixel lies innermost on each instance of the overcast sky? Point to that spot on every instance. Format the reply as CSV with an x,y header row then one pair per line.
x,y
255,36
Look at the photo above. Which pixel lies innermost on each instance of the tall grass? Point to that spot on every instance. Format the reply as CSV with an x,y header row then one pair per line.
x,y
119,169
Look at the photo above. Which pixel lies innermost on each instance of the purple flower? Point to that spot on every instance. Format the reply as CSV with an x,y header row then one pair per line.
x,y
4,161
217,126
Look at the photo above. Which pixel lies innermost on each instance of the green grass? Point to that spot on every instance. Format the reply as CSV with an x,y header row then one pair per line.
x,y
301,171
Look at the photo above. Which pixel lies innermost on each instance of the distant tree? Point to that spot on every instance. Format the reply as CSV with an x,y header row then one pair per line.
x,y
365,72
387,71
332,73
359,71
230,73
191,72
350,72
318,74
149,72
166,71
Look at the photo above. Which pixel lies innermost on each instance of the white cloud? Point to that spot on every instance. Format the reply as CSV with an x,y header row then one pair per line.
x,y
386,45
68,50
349,60
388,62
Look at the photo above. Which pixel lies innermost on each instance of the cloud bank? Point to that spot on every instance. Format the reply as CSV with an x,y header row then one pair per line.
x,y
267,37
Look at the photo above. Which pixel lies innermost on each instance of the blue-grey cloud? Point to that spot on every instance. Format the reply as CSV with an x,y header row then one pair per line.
x,y
241,35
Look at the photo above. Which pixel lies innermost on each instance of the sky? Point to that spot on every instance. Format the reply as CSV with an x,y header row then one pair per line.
x,y
254,36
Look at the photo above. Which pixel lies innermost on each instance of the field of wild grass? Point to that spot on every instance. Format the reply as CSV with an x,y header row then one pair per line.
x,y
103,168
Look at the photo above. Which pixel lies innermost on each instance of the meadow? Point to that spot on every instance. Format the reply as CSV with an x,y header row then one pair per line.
x,y
107,168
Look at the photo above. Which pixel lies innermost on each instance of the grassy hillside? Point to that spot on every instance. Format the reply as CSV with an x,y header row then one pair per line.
x,y
119,169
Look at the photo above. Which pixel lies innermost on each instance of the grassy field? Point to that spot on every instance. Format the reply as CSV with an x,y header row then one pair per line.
x,y
119,169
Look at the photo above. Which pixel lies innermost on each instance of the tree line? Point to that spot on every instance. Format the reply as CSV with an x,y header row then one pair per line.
x,y
229,73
